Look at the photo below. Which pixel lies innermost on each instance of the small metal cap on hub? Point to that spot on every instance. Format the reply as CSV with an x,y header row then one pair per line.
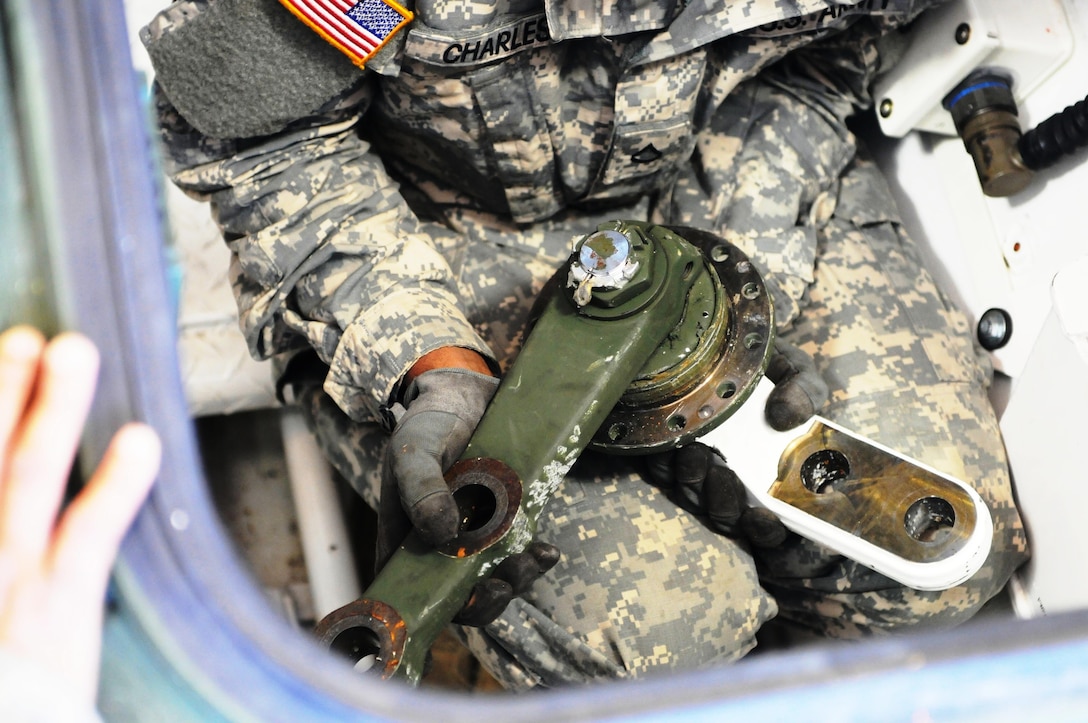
x,y
604,252
604,261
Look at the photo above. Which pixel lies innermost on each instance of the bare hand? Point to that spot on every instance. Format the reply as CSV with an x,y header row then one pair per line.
x,y
54,572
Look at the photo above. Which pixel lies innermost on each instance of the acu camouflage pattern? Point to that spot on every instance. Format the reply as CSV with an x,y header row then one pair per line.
x,y
584,124
331,252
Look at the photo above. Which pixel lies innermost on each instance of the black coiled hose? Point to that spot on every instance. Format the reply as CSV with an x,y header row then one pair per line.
x,y
1060,135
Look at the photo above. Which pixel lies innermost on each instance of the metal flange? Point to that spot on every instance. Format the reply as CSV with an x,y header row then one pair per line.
x,y
708,367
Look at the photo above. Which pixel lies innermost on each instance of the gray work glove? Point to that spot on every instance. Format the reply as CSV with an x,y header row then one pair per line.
x,y
443,407
698,479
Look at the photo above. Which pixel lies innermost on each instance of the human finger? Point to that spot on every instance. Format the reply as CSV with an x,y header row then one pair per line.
x,y
93,525
488,599
763,528
726,498
20,351
45,441
524,568
799,390
690,467
424,494
659,468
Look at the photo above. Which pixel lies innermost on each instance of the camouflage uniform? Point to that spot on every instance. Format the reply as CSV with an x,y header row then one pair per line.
x,y
424,205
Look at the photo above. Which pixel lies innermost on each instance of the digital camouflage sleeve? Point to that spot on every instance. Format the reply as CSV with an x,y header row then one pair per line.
x,y
326,251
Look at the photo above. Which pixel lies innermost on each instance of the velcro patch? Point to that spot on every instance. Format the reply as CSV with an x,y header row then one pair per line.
x,y
357,29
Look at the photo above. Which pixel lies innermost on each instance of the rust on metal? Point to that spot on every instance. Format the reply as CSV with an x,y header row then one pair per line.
x,y
488,495
908,510
366,629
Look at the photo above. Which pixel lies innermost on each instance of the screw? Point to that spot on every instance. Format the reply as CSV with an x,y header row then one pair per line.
x,y
994,329
886,107
963,33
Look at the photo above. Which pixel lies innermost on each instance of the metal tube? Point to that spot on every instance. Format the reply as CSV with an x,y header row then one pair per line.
x,y
330,563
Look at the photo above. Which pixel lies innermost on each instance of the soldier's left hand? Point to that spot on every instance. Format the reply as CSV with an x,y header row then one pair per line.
x,y
697,478
799,390
446,404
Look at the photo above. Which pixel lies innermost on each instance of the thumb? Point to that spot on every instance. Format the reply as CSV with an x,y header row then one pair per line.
x,y
763,528
799,389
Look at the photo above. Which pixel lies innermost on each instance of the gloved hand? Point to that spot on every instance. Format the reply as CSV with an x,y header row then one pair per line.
x,y
511,578
698,478
443,407
799,390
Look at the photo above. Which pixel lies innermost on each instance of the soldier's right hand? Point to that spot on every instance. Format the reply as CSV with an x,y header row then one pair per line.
x,y
444,404
698,478
443,407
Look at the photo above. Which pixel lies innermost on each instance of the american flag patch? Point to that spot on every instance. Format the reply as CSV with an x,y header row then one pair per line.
x,y
357,29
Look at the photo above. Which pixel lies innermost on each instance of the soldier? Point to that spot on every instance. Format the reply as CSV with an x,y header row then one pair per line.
x,y
399,219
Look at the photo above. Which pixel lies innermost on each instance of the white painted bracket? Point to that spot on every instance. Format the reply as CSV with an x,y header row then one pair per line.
x,y
753,450
1026,40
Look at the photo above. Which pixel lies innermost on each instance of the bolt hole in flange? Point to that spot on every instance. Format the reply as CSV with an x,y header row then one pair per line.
x,y
821,470
719,254
617,431
930,519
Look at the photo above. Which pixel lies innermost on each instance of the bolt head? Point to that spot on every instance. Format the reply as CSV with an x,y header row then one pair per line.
x,y
604,252
994,329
